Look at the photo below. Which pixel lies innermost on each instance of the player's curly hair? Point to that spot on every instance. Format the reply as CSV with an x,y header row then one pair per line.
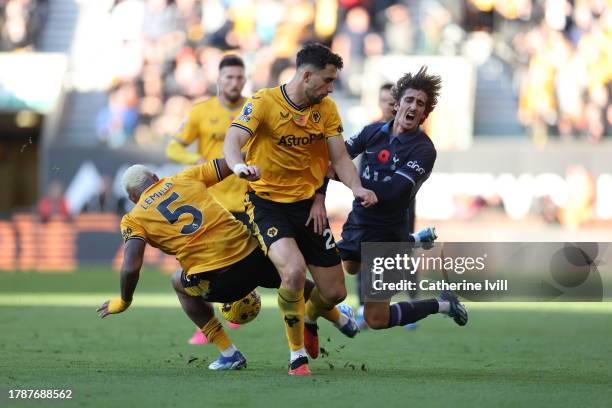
x,y
421,81
317,55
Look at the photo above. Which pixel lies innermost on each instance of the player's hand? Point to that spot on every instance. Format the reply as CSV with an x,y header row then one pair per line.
x,y
318,214
113,306
250,173
366,197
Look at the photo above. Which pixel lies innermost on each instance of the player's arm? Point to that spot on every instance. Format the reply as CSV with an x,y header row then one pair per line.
x,y
405,178
133,255
177,151
346,171
241,130
186,134
235,139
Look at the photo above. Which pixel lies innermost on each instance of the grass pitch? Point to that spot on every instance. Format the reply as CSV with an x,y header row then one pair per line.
x,y
505,356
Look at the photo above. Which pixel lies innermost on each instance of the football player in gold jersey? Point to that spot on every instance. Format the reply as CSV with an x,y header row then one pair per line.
x,y
206,123
293,131
220,260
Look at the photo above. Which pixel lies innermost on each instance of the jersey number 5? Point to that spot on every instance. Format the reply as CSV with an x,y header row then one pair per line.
x,y
173,216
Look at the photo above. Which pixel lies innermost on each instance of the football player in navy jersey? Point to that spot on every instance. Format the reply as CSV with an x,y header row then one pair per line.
x,y
398,158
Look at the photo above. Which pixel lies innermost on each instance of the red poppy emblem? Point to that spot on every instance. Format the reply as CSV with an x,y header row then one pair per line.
x,y
383,156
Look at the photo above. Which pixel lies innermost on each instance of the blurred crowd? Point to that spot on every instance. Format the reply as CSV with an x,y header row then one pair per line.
x,y
20,23
167,52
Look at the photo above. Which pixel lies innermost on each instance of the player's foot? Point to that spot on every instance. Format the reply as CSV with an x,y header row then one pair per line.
x,y
311,339
457,310
410,326
235,362
350,329
233,326
426,235
198,338
299,366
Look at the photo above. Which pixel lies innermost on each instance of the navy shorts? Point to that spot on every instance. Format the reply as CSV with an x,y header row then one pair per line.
x,y
353,236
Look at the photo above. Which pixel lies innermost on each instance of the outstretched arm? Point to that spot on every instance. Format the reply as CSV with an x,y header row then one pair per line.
x,y
133,254
177,151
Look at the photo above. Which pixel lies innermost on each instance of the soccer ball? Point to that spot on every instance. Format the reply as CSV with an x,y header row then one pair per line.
x,y
242,311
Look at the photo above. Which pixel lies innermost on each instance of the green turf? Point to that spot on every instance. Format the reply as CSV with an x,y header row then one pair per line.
x,y
140,358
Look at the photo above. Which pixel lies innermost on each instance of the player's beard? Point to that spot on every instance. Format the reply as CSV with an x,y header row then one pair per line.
x,y
313,100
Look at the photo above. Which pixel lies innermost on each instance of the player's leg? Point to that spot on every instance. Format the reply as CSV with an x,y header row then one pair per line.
x,y
383,315
202,314
288,260
271,226
352,268
350,253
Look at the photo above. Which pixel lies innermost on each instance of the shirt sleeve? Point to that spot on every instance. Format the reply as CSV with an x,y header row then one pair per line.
x,y
209,173
131,229
419,166
187,132
253,112
356,144
333,123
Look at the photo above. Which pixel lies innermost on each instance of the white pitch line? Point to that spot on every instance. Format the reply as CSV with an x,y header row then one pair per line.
x,y
268,300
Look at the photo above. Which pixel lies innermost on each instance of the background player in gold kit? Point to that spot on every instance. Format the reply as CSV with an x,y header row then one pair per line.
x,y
206,124
293,131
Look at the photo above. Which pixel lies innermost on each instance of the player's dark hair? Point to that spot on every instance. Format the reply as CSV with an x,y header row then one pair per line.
x,y
421,81
231,60
317,55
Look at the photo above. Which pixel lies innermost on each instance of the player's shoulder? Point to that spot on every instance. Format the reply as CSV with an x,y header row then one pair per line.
x,y
204,104
203,101
128,219
426,142
373,129
265,93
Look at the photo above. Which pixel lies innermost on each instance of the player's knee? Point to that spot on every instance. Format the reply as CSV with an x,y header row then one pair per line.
x,y
334,294
376,321
293,276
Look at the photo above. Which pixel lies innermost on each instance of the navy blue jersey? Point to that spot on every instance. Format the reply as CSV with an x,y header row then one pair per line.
x,y
394,167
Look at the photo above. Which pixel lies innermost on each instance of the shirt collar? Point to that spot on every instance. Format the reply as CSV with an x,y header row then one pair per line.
x,y
402,138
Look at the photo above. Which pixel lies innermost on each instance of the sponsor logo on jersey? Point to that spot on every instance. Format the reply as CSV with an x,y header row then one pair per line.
x,y
292,140
284,115
414,165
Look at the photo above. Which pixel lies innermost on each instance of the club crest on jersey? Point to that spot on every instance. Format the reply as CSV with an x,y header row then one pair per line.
x,y
383,156
272,231
316,116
